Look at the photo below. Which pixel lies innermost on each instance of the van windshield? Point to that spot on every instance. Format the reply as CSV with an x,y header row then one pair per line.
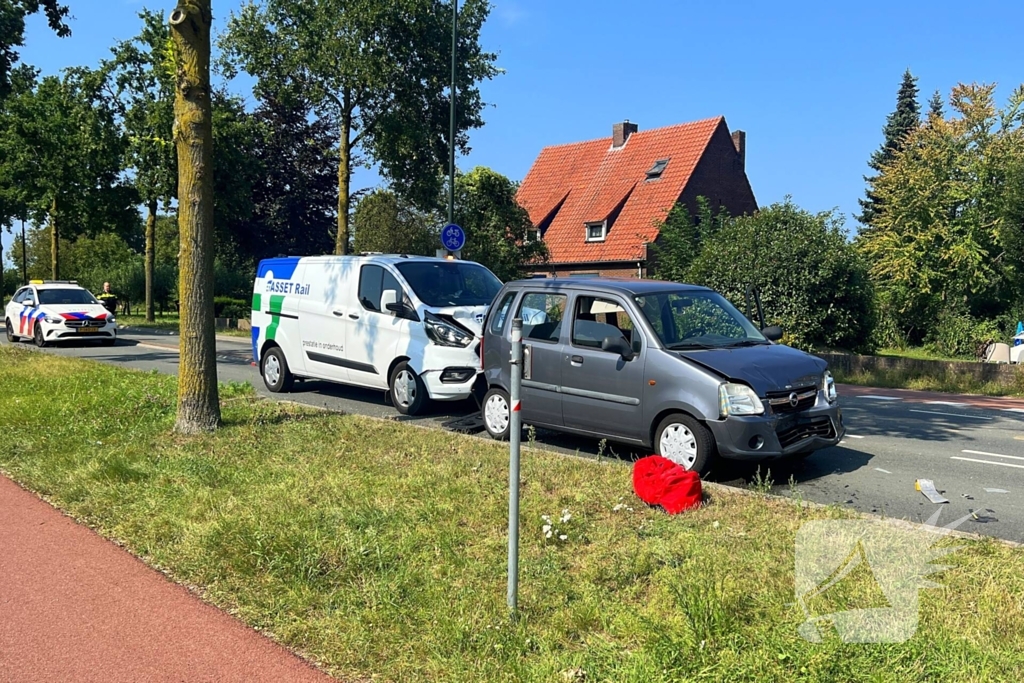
x,y
687,319
450,283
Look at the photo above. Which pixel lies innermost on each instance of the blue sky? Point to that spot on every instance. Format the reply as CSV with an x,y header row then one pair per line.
x,y
810,82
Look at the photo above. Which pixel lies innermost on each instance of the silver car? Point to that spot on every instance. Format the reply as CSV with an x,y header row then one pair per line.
x,y
656,364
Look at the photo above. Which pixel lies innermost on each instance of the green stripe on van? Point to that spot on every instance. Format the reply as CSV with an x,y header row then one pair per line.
x,y
256,301
276,301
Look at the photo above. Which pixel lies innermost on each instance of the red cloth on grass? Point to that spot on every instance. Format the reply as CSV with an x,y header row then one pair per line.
x,y
659,481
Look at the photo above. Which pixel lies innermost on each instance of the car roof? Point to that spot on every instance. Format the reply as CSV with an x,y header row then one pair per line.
x,y
56,285
628,286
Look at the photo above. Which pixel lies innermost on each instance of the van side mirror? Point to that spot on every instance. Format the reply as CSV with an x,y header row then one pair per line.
x,y
389,301
618,345
772,333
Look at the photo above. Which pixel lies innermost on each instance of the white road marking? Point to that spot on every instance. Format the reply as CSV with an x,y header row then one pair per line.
x,y
854,436
880,398
993,455
989,462
1012,410
946,403
938,412
995,490
881,470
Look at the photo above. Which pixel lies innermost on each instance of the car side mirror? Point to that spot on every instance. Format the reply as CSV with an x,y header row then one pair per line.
x,y
772,333
389,301
618,345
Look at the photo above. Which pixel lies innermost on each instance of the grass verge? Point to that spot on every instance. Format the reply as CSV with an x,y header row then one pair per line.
x,y
942,379
378,549
169,323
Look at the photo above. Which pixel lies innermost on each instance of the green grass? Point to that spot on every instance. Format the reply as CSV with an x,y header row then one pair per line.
x,y
378,549
920,353
169,323
941,379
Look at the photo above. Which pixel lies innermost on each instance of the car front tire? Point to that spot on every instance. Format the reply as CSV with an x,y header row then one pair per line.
x,y
37,336
274,369
686,442
408,393
11,339
496,414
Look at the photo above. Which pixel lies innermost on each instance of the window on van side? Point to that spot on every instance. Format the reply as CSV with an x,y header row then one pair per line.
x,y
595,318
501,313
373,281
542,316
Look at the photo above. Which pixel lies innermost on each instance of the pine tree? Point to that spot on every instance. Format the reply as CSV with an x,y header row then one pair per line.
x,y
935,109
906,118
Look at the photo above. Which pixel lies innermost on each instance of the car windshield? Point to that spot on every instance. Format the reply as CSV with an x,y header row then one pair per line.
x,y
687,319
65,297
450,283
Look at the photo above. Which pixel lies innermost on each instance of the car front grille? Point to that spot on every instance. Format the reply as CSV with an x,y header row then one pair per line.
x,y
89,322
782,401
794,433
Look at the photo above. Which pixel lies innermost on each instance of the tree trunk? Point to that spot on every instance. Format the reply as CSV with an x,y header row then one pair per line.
x,y
198,403
54,242
150,257
344,181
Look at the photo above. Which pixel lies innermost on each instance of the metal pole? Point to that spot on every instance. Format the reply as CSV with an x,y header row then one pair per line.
x,y
24,258
514,430
451,130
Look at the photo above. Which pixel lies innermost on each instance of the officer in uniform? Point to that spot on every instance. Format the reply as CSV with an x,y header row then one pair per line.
x,y
108,299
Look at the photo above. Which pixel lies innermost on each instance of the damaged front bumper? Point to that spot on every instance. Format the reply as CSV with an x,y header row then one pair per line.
x,y
449,373
761,437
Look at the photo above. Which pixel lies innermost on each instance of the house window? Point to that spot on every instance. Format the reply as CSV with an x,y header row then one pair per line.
x,y
655,171
596,232
532,235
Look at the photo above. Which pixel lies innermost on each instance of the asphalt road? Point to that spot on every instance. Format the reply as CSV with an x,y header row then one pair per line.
x,y
972,449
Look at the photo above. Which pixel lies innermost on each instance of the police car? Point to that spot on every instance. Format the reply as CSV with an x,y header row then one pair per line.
x,y
48,311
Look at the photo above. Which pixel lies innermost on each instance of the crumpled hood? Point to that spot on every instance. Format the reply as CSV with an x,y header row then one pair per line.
x,y
470,317
765,368
76,311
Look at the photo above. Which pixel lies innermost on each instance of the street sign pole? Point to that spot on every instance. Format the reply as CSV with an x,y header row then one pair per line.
x,y
514,430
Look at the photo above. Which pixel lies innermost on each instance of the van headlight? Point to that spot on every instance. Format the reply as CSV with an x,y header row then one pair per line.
x,y
443,333
828,385
738,399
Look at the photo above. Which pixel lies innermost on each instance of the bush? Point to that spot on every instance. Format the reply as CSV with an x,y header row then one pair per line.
x,y
812,281
227,307
957,334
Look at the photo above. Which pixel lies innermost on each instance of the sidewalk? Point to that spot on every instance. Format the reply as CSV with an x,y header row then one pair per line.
x,y
936,397
74,607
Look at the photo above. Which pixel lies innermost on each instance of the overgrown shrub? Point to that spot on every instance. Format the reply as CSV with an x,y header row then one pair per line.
x,y
228,307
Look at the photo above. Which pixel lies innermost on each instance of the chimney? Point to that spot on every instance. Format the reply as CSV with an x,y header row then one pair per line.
x,y
621,132
739,141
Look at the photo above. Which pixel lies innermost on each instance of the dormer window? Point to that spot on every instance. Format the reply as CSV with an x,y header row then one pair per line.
x,y
532,235
596,232
655,171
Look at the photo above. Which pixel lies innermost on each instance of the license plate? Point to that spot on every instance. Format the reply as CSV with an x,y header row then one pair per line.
x,y
88,330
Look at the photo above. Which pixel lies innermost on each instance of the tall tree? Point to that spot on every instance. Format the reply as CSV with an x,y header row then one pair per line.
x,y
387,223
198,401
904,120
379,69
497,227
63,155
144,76
935,106
12,31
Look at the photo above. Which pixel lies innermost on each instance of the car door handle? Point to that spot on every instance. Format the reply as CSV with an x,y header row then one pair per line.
x,y
577,360
338,313
353,316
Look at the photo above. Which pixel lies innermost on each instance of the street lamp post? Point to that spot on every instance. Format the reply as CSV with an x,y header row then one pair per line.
x,y
24,257
451,130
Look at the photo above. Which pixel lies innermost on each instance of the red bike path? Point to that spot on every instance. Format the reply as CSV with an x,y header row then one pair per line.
x,y
935,397
75,607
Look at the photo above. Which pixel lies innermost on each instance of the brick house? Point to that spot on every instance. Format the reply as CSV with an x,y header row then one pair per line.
x,y
597,204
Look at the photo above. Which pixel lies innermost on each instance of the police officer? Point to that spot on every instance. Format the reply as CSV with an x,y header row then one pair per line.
x,y
108,299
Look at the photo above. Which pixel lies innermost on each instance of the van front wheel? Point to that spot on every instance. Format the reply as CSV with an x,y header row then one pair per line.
x,y
685,441
274,369
407,390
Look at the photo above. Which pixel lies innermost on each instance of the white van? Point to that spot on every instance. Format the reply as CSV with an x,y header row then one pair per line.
x,y
410,325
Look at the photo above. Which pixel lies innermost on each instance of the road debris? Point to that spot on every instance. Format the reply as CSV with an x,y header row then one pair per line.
x,y
927,487
995,490
983,516
879,469
967,496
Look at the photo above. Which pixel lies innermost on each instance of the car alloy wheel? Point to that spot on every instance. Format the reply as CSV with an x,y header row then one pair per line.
x,y
272,370
679,445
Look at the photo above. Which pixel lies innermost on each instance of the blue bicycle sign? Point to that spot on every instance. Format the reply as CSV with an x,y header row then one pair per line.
x,y
453,238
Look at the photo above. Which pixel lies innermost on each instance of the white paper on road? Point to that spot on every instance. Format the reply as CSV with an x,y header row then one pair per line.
x,y
996,491
927,487
881,470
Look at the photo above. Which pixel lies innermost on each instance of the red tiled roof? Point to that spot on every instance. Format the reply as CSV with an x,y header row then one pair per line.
x,y
591,179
